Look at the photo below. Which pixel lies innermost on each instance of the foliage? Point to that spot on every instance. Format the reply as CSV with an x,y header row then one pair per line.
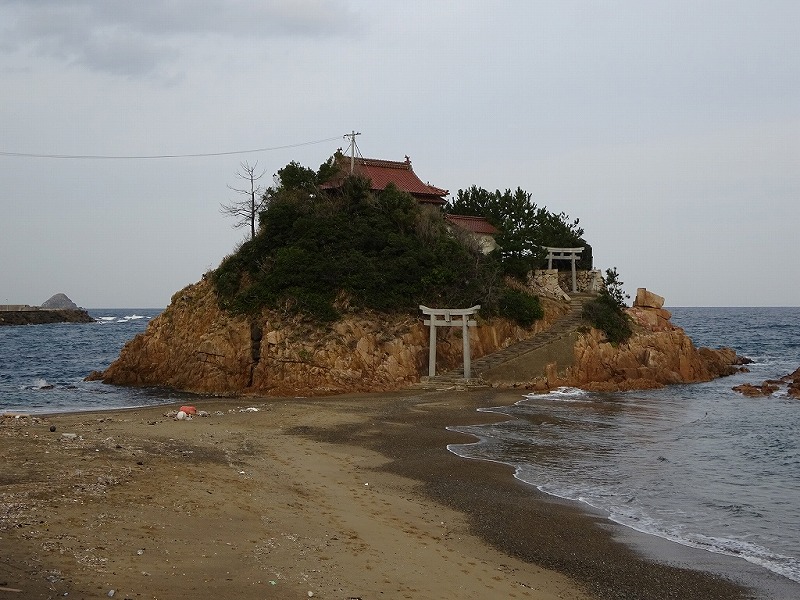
x,y
520,307
379,251
607,311
525,228
295,176
613,288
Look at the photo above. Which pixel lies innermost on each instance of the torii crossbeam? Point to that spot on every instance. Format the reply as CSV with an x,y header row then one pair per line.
x,y
570,254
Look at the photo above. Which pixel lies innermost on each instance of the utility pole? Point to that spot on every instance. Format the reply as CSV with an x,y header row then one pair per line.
x,y
352,137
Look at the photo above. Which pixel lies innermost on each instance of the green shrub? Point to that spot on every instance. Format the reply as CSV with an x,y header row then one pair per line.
x,y
607,311
520,307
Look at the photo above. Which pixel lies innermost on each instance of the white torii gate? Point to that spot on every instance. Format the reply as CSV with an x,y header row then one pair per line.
x,y
570,254
444,317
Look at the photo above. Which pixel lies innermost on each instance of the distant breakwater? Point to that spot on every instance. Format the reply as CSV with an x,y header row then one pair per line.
x,y
41,316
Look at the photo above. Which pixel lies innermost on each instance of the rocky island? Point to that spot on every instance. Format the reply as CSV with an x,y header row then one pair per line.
x,y
324,299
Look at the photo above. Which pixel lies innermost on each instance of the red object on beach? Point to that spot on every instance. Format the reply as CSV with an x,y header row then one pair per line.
x,y
189,410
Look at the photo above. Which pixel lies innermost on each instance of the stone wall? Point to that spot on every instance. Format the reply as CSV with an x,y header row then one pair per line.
x,y
588,282
552,283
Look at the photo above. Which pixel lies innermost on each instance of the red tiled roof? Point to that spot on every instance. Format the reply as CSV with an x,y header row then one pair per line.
x,y
473,224
383,172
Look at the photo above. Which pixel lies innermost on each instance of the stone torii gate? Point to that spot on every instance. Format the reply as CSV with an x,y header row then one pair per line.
x,y
449,317
570,254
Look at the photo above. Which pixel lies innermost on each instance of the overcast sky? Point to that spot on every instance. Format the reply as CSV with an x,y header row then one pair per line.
x,y
670,129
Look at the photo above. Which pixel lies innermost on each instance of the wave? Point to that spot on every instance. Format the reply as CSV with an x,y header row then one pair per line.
x,y
786,566
127,318
38,384
103,320
563,394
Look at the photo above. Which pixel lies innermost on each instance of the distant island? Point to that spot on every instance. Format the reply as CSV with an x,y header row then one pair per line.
x,y
56,309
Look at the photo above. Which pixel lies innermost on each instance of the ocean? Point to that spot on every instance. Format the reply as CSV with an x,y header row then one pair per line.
x,y
42,367
697,464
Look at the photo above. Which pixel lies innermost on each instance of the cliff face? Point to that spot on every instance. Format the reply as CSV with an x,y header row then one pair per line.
x,y
194,346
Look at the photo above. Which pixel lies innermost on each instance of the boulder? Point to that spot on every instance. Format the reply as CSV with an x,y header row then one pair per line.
x,y
647,299
753,391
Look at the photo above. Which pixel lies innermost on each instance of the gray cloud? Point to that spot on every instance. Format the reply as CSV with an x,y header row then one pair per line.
x,y
145,38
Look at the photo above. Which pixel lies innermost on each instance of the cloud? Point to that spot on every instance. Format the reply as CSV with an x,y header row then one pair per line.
x,y
138,39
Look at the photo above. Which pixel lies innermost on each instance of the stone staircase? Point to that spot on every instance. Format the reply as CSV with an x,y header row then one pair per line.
x,y
562,328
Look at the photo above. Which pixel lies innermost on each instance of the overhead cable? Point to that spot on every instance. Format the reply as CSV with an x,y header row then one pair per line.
x,y
159,156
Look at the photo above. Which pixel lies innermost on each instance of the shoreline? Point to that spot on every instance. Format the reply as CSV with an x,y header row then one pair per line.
x,y
374,465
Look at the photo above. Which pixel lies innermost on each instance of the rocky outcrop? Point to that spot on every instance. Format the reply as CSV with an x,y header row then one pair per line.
x,y
59,301
195,346
770,386
659,353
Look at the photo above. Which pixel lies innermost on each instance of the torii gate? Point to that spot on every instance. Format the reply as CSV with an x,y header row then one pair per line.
x,y
570,254
444,317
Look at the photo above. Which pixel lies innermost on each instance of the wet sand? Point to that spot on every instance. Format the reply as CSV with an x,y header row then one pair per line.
x,y
343,497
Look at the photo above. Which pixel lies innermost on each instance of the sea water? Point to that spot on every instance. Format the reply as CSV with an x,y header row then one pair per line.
x,y
42,367
699,464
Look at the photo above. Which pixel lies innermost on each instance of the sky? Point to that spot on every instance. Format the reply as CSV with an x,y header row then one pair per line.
x,y
670,129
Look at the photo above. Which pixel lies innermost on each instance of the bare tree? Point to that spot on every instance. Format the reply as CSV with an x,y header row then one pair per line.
x,y
245,211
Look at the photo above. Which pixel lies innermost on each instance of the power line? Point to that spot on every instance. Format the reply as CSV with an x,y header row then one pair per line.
x,y
159,156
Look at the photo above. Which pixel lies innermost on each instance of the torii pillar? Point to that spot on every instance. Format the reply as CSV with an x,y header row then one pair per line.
x,y
449,317
570,254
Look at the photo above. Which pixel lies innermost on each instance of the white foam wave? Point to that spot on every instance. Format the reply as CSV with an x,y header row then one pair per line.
x,y
562,394
40,384
786,566
128,318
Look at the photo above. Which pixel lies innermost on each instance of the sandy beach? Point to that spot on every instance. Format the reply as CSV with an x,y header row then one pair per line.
x,y
336,498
